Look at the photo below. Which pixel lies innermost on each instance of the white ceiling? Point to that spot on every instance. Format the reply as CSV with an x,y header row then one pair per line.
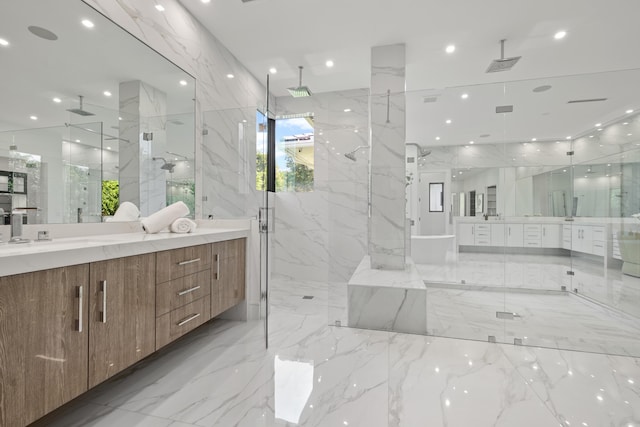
x,y
602,36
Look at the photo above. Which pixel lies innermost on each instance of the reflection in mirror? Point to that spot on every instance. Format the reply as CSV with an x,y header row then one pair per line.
x,y
86,129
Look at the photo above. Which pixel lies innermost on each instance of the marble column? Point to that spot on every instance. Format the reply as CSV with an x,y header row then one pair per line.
x,y
388,176
143,114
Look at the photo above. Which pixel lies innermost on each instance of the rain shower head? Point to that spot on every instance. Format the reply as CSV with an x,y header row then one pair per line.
x,y
168,166
502,64
300,91
423,152
351,155
80,111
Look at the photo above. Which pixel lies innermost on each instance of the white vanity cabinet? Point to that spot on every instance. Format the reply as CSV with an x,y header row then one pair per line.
x,y
581,238
482,235
532,235
552,236
515,235
466,234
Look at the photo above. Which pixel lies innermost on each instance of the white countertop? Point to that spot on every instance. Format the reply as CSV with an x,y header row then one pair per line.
x,y
545,220
34,256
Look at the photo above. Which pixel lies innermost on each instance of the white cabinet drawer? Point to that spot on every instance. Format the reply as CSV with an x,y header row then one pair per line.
x,y
598,234
532,243
597,248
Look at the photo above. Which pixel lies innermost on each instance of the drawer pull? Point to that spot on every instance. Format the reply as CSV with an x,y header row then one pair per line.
x,y
79,293
191,261
103,289
188,291
188,319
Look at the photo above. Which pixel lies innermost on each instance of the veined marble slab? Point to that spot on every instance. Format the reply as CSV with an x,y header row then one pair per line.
x,y
390,300
34,256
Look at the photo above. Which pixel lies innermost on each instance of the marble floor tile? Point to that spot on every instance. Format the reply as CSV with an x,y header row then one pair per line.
x,y
582,389
444,382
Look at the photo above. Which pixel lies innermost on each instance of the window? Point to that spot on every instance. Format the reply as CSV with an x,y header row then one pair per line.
x,y
294,154
291,138
436,197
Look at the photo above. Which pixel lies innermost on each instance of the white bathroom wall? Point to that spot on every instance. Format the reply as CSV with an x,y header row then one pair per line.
x,y
433,223
322,235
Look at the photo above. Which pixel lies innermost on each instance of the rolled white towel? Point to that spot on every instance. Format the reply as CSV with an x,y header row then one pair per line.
x,y
183,225
164,217
127,211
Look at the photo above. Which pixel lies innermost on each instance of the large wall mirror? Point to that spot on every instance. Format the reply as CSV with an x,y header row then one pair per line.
x,y
569,147
89,117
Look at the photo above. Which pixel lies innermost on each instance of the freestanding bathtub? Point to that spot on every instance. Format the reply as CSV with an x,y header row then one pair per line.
x,y
433,249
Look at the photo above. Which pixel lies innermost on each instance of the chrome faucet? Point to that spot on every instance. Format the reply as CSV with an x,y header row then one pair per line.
x,y
16,229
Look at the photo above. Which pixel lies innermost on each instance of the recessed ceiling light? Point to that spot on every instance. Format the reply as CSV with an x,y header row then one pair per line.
x,y
629,111
437,138
534,139
599,129
448,121
33,117
329,63
119,118
598,125
108,148
3,42
205,1
538,149
608,164
472,142
57,100
525,143
355,130
106,93
464,96
77,140
568,137
88,23
625,123
450,49
272,70
183,82
557,142
590,136
230,76
560,35
347,110
160,8
628,134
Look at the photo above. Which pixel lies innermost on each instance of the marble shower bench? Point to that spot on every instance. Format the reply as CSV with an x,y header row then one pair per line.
x,y
390,300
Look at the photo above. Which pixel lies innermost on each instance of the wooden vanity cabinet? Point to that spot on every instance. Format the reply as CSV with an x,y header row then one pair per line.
x,y
183,303
228,276
122,314
43,342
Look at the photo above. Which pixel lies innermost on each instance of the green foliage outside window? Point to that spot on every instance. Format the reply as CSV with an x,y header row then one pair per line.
x,y
110,197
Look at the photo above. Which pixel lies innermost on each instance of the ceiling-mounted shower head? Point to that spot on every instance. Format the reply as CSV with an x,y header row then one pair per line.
x,y
502,64
168,166
423,152
80,110
351,155
300,91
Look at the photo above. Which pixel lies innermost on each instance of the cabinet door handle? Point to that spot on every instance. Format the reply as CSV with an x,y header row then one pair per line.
x,y
191,261
188,319
80,304
217,266
472,228
103,289
544,231
188,291
509,231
